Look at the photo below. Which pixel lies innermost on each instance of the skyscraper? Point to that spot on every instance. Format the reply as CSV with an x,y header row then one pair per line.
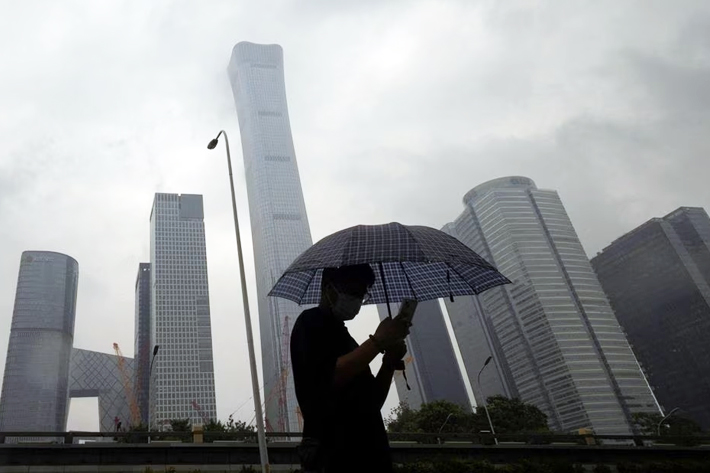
x,y
183,375
279,223
432,370
475,346
657,278
552,333
142,348
35,387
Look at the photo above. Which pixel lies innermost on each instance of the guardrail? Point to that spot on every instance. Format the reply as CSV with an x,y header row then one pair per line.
x,y
531,438
178,452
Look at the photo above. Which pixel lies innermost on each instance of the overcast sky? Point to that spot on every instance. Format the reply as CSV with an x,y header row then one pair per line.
x,y
397,109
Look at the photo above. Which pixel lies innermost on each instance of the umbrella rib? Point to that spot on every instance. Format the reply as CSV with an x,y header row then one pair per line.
x,y
313,275
409,282
451,266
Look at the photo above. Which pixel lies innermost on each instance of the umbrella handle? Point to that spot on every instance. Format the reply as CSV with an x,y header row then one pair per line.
x,y
389,311
384,286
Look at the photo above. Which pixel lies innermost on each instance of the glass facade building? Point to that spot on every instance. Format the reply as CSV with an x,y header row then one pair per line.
x,y
142,349
432,370
657,278
94,374
35,393
183,372
553,336
279,223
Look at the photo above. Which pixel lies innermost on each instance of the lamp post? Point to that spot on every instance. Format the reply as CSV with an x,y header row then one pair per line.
x,y
438,435
150,381
485,408
664,419
152,360
263,453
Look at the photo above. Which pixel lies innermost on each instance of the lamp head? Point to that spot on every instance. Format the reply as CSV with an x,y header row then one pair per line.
x,y
488,360
155,349
212,144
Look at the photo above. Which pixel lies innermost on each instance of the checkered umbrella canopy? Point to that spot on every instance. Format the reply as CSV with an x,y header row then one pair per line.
x,y
417,262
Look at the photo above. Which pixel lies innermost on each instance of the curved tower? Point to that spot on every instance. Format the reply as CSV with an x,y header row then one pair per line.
x,y
35,394
279,223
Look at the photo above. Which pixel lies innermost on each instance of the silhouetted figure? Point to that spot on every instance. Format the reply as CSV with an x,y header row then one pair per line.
x,y
339,397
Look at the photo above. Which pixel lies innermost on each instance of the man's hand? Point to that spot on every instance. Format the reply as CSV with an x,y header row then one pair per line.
x,y
394,354
391,332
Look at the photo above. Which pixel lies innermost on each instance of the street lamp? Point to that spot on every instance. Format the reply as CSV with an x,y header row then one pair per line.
x,y
485,408
666,417
150,381
442,427
263,453
152,360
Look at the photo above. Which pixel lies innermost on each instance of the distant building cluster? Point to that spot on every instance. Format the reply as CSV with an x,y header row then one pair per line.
x,y
44,371
590,343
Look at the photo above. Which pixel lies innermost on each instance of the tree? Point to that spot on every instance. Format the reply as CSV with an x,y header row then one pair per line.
x,y
446,417
510,416
181,425
430,418
402,419
228,431
677,425
239,426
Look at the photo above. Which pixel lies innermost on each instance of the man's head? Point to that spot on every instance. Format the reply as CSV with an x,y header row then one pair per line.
x,y
344,289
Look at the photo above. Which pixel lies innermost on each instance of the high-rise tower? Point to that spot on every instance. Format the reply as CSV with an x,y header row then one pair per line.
x,y
657,278
180,314
143,351
552,333
35,392
279,223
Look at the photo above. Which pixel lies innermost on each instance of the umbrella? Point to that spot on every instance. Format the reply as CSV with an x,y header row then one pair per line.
x,y
410,262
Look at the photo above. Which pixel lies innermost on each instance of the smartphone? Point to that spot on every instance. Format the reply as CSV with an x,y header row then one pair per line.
x,y
406,310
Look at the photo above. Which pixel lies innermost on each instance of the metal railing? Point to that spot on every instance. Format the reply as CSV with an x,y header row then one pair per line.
x,y
532,438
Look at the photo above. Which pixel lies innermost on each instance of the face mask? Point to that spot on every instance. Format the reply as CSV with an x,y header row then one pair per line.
x,y
346,307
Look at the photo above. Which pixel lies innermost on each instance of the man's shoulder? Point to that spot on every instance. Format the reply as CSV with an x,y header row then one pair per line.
x,y
310,317
310,328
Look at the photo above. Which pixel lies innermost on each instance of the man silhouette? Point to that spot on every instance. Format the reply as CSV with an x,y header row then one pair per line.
x,y
339,397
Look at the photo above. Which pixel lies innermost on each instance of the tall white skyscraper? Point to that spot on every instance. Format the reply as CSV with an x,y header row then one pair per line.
x,y
279,223
552,333
182,381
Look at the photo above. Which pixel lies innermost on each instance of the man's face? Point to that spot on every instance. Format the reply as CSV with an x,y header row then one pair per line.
x,y
353,288
345,299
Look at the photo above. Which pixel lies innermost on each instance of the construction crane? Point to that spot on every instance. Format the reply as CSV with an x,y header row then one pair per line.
x,y
281,378
201,412
128,387
268,397
283,399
